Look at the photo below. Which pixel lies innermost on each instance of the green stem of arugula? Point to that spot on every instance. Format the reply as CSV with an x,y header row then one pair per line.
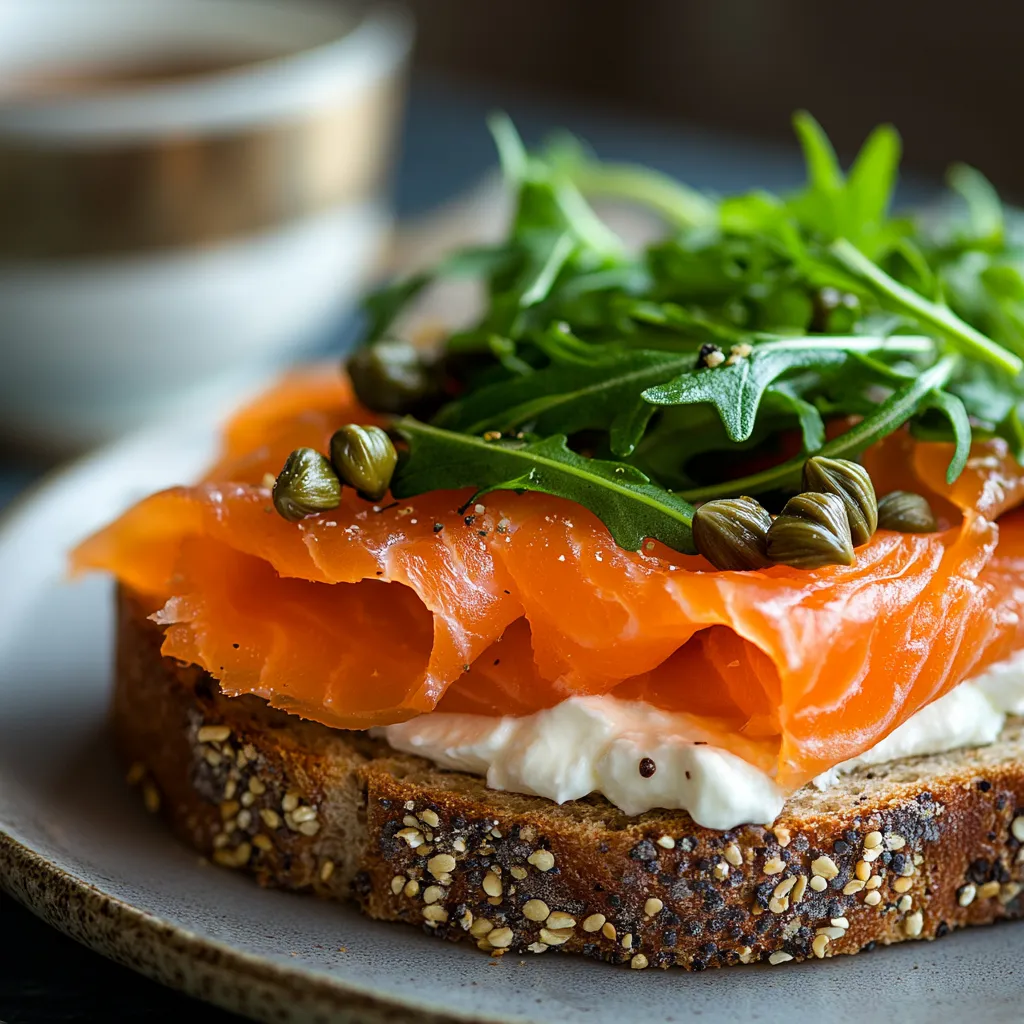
x,y
904,344
680,206
541,285
943,319
890,416
511,151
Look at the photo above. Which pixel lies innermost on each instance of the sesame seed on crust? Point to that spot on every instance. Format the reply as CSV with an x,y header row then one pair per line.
x,y
825,867
555,936
536,910
559,921
542,860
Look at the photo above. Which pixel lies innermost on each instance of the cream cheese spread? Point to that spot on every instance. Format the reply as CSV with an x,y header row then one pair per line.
x,y
595,744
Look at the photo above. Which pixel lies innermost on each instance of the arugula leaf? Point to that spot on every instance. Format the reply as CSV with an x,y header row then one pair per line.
x,y
953,410
504,350
624,499
628,426
546,198
782,398
942,318
682,207
833,206
1011,429
692,325
823,172
542,256
984,210
889,416
872,179
984,394
565,398
921,275
512,154
736,388
604,393
543,277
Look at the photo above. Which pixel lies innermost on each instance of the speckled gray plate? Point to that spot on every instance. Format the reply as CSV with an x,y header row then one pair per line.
x,y
76,848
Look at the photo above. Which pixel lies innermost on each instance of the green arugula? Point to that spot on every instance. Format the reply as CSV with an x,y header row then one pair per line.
x,y
985,217
888,417
784,400
930,314
567,397
626,501
637,381
736,388
854,207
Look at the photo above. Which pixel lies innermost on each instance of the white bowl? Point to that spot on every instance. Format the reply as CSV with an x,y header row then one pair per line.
x,y
164,244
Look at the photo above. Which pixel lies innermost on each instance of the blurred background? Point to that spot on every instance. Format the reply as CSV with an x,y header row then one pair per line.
x,y
946,74
193,193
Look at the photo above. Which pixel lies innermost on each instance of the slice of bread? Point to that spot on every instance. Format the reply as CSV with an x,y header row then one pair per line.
x,y
908,851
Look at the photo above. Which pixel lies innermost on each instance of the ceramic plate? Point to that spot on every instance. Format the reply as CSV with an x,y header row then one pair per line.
x,y
76,847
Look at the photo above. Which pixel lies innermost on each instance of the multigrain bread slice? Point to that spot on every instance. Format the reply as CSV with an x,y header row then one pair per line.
x,y
910,851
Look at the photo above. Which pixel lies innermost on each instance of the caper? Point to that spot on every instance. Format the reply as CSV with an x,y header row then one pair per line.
x,y
906,512
731,533
851,482
812,531
306,485
392,376
364,458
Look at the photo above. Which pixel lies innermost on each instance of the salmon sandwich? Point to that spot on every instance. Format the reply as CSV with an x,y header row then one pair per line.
x,y
670,612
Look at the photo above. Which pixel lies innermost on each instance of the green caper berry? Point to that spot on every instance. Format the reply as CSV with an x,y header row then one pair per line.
x,y
306,485
364,458
851,482
813,531
392,377
731,533
906,512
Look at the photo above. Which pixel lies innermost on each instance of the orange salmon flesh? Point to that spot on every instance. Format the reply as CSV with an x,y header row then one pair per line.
x,y
374,613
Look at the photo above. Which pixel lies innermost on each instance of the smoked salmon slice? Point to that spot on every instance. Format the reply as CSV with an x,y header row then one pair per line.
x,y
374,613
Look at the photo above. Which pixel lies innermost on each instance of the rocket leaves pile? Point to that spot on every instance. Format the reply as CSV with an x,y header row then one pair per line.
x,y
756,331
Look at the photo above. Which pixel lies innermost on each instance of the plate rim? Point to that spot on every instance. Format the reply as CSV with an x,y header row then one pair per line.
x,y
200,966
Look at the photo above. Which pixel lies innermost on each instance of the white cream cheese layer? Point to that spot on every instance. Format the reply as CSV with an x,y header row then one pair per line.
x,y
595,744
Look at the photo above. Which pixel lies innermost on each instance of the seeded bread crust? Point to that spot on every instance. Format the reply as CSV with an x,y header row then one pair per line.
x,y
909,852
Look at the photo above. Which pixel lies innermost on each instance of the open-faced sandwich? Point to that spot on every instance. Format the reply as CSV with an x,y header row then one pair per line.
x,y
670,613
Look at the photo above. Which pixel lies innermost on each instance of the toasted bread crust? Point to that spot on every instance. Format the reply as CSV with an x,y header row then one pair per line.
x,y
913,852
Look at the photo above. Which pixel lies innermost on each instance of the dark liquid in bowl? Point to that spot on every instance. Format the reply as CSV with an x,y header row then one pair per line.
x,y
47,81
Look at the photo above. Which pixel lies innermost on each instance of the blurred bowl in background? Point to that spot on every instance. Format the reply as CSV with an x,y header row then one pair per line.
x,y
191,194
